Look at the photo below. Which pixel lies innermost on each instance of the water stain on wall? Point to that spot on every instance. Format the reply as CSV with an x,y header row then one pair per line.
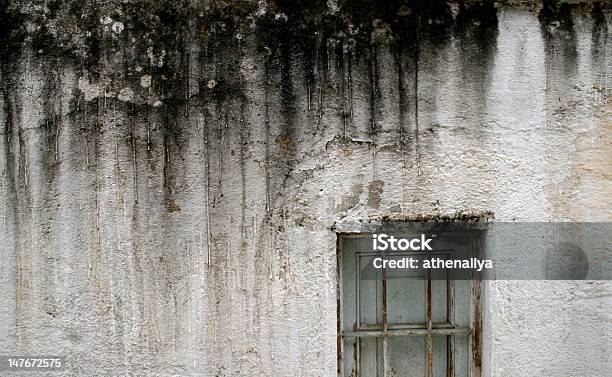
x,y
171,171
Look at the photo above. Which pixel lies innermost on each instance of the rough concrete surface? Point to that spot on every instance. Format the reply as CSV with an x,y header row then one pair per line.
x,y
171,172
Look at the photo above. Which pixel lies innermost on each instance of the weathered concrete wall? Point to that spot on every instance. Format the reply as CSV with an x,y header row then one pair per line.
x,y
171,174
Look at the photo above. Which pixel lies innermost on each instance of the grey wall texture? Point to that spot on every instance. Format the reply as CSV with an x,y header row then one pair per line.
x,y
172,173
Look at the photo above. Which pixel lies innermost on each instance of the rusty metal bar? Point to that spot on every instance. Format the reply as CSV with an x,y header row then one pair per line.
x,y
406,332
477,326
385,359
476,364
429,356
357,354
429,328
450,362
450,301
357,357
339,300
450,317
429,304
385,321
392,327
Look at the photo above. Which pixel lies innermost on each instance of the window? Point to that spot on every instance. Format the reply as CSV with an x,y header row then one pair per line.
x,y
406,325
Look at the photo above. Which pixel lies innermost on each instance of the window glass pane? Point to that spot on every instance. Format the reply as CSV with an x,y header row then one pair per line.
x,y
440,356
407,356
370,298
349,358
439,295
461,293
406,301
461,349
371,357
349,287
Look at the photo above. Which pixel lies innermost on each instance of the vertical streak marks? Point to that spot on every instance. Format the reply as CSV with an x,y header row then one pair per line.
x,y
267,138
134,164
416,99
373,71
207,192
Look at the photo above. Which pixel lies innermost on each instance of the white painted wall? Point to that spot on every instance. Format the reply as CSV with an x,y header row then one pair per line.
x,y
129,288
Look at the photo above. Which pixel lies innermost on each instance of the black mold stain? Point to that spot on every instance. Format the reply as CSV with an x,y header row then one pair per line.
x,y
374,89
557,19
7,135
400,58
432,18
12,32
289,35
479,20
557,27
242,158
222,34
476,29
551,13
276,41
153,27
169,137
554,16
598,15
599,33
